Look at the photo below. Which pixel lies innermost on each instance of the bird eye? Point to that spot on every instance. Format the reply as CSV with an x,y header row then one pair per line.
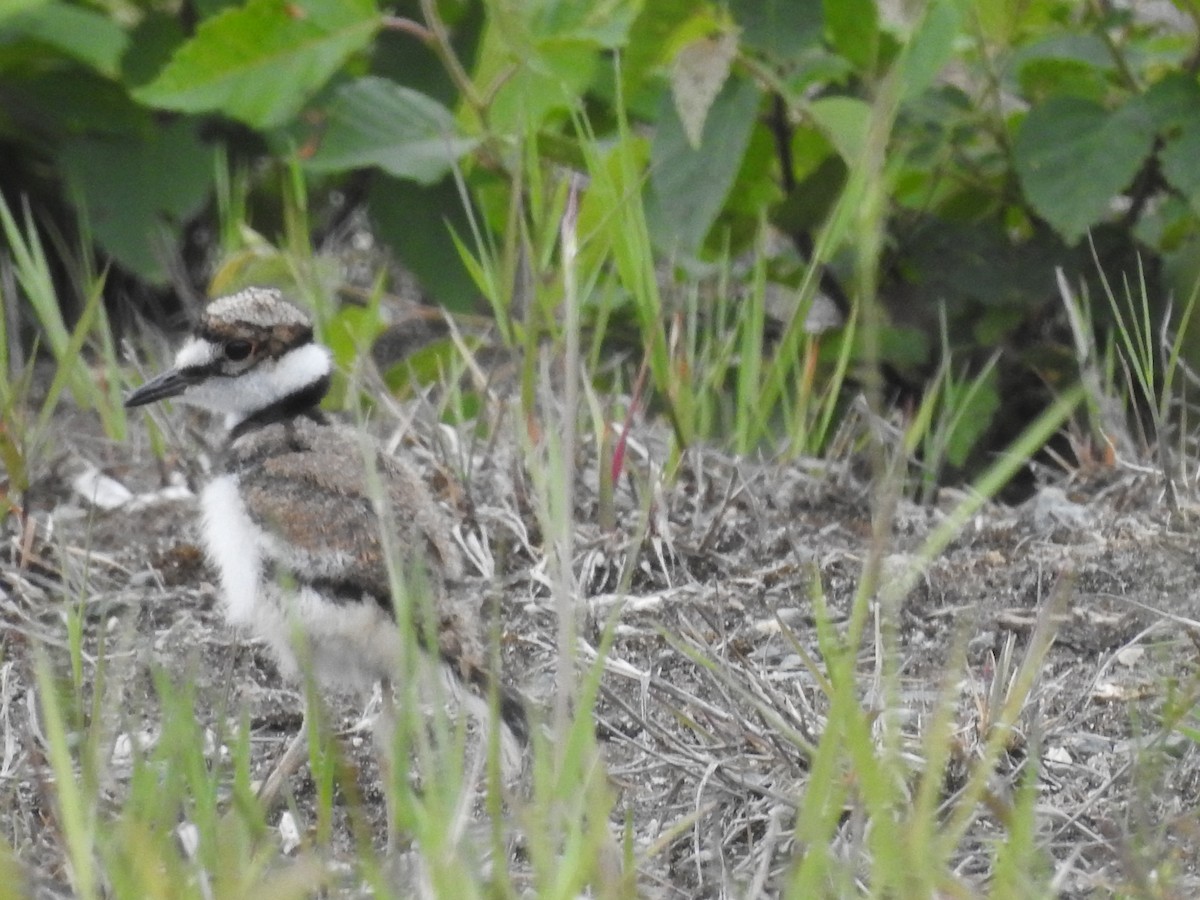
x,y
238,350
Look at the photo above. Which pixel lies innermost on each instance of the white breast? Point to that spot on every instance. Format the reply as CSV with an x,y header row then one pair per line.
x,y
234,546
351,644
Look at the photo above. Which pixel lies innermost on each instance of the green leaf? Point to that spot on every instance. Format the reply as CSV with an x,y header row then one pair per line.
x,y
649,40
1073,157
996,19
1179,167
604,24
1076,64
545,82
689,185
852,26
931,46
415,222
756,188
353,329
844,121
1083,48
1173,101
91,38
396,56
206,9
10,8
260,62
139,189
70,100
151,44
818,188
905,347
376,122
423,365
1172,106
1175,105
969,264
784,30
817,68
538,59
1044,78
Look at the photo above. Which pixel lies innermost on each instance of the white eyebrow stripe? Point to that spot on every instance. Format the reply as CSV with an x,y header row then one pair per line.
x,y
196,353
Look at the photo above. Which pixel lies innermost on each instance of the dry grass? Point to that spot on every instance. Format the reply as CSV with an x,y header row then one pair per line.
x,y
716,606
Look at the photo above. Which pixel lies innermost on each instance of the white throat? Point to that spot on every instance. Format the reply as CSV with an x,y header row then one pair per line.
x,y
241,396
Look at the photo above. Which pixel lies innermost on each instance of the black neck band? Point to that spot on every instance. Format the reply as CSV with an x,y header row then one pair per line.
x,y
300,403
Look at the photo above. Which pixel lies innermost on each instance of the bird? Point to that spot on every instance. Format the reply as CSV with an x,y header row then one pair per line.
x,y
297,533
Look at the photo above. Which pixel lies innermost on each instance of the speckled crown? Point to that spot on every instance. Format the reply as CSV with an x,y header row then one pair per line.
x,y
259,307
258,314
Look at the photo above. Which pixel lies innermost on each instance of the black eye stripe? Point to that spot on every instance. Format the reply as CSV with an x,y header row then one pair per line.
x,y
196,374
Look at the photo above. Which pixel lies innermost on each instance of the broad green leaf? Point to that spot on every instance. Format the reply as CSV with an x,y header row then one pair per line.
x,y
259,63
971,264
817,68
689,185
538,58
649,40
206,9
256,263
844,121
1076,64
544,82
756,188
10,8
784,30
70,100
1088,49
1178,157
1073,157
91,38
415,222
396,56
151,44
852,26
376,122
605,23
1175,107
1041,79
931,46
413,369
905,347
353,329
138,190
996,19
1172,102
819,184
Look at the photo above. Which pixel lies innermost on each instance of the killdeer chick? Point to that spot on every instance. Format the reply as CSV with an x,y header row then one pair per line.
x,y
294,530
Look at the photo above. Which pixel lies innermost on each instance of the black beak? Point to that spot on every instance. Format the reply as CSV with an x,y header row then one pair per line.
x,y
169,384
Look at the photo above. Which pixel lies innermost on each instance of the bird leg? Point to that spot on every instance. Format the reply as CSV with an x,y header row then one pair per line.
x,y
287,765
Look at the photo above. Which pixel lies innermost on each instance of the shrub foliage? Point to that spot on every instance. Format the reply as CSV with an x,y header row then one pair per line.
x,y
1009,138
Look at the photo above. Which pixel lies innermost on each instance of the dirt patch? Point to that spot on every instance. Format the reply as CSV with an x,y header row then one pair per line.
x,y
711,693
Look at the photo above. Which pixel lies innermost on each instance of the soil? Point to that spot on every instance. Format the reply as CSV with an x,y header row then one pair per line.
x,y
713,685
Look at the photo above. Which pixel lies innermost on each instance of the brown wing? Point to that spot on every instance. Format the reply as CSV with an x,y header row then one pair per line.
x,y
312,495
305,485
